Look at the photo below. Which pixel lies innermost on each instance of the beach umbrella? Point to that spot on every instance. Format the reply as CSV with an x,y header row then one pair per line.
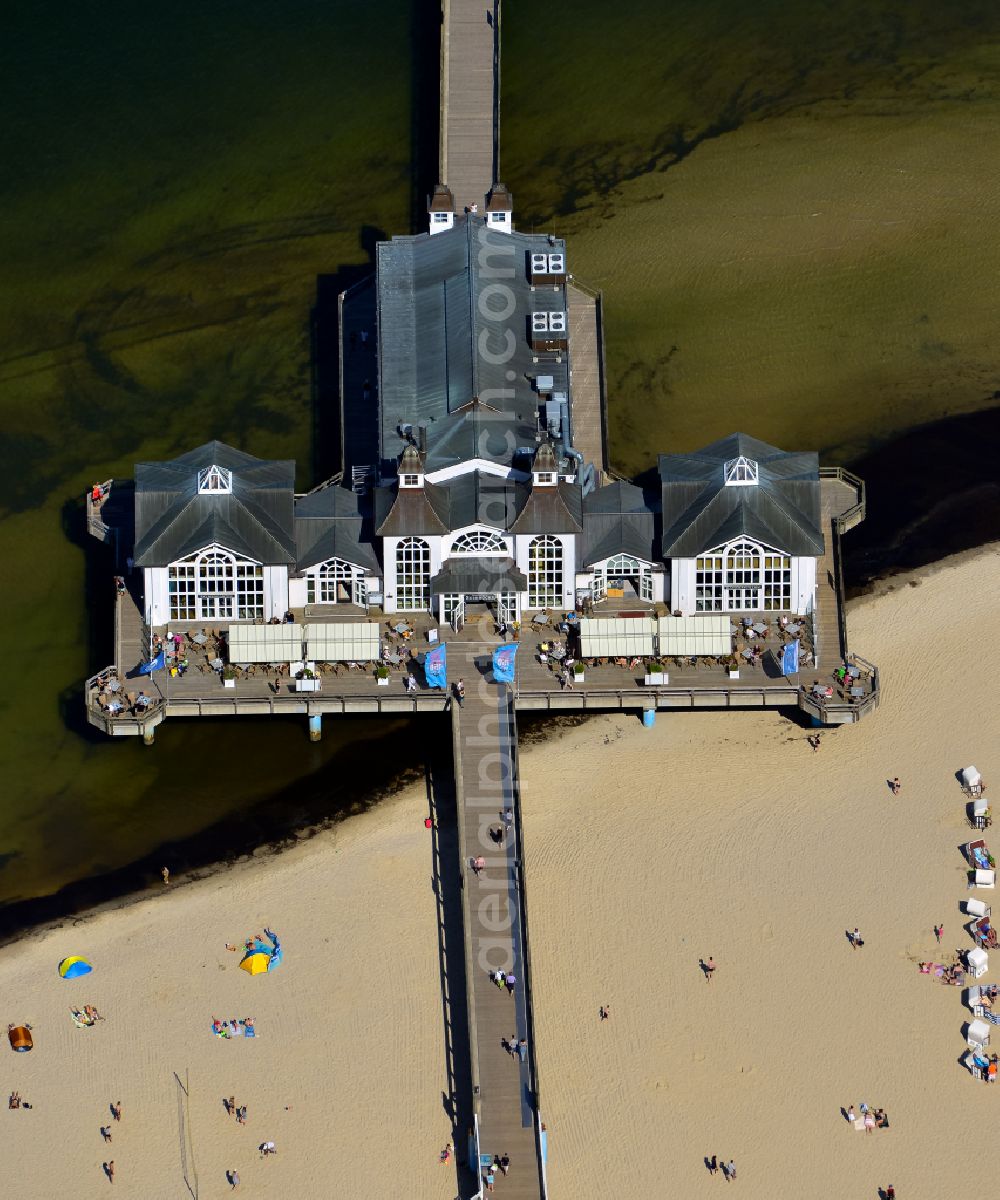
x,y
256,962
73,967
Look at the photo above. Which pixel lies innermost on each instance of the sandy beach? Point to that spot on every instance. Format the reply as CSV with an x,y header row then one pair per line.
x,y
713,834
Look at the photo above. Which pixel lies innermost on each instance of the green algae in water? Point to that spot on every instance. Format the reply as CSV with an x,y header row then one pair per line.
x,y
174,183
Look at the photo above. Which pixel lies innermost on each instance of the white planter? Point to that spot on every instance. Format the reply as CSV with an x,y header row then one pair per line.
x,y
657,679
734,674
578,677
382,682
307,685
228,682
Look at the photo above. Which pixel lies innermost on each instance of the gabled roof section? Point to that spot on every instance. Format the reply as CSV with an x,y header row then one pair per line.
x,y
405,512
173,519
453,315
781,510
476,430
619,519
333,522
549,509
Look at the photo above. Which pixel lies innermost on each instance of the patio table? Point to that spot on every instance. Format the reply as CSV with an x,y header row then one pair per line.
x,y
793,627
114,707
200,638
857,691
114,685
854,672
747,654
402,627
216,664
542,619
759,627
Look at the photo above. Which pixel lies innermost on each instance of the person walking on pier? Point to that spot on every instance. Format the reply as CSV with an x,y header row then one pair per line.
x,y
510,981
522,1050
460,692
504,1163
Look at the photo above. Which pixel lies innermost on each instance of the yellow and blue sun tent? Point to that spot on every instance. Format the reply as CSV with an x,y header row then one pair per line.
x,y
73,967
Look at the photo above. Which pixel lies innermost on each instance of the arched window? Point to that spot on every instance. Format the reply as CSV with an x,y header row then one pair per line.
x,y
637,572
479,542
545,572
215,584
413,574
335,582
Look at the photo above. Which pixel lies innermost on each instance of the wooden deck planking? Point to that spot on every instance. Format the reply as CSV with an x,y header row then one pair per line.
x,y
586,384
836,497
486,787
468,115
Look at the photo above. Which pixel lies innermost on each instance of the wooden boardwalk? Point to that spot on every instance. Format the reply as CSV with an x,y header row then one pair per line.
x,y
469,99
586,356
504,1094
836,497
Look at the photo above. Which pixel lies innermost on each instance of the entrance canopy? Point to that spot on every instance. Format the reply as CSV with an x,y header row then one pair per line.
x,y
485,576
265,643
347,641
709,635
614,637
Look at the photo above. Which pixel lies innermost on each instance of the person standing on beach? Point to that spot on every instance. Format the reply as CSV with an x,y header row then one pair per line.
x,y
895,785
729,1171
234,1179
856,939
851,1115
116,1111
109,1170
106,1132
166,874
605,1011
938,930
713,1165
709,969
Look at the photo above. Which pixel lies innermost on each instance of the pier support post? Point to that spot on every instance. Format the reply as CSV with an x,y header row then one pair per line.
x,y
648,718
316,727
148,735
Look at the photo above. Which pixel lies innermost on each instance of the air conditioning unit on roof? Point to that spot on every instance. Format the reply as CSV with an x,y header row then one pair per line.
x,y
557,264
539,264
539,322
557,322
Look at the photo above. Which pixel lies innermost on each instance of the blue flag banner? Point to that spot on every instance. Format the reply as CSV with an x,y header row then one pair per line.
x,y
155,664
790,658
503,663
436,666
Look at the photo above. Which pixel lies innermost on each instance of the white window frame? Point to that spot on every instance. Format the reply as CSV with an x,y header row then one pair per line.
x,y
743,576
413,575
215,584
545,571
479,542
323,579
215,481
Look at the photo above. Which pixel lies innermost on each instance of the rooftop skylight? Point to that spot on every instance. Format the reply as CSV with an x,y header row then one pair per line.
x,y
741,472
215,481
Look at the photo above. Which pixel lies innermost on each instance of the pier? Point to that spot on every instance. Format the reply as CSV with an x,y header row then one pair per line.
x,y
476,506
470,100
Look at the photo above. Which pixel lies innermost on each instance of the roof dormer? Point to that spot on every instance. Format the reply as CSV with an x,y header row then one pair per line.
x,y
545,469
741,472
500,209
441,209
411,468
215,481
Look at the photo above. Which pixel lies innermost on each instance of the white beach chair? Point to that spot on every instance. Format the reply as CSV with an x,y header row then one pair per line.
x,y
978,1036
983,879
972,781
978,908
979,962
980,811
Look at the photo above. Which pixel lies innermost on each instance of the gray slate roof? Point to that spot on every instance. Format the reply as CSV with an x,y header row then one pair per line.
x,y
544,509
481,576
172,520
700,512
476,430
334,523
474,498
619,519
439,345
